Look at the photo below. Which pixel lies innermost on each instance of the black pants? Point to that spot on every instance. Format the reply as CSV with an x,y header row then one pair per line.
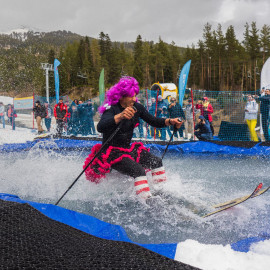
x,y
60,125
131,168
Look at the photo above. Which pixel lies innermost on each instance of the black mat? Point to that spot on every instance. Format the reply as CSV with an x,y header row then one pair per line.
x,y
30,240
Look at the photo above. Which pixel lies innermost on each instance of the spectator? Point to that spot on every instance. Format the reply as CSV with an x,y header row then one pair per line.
x,y
68,116
139,127
203,130
152,111
207,112
60,114
86,118
48,118
189,124
39,112
160,105
11,114
251,112
74,123
90,117
75,102
2,113
147,106
175,111
165,130
264,108
199,106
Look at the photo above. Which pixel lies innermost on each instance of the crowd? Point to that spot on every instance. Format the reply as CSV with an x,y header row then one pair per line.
x,y
77,118
164,109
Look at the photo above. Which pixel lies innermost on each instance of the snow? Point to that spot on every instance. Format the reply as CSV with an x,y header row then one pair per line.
x,y
19,135
218,257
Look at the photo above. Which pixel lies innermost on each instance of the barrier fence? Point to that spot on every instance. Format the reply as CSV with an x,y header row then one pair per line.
x,y
228,116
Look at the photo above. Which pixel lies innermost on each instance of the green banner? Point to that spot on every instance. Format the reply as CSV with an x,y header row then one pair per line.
x,y
101,87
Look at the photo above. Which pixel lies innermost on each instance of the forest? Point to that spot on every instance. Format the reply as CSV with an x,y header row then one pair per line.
x,y
220,62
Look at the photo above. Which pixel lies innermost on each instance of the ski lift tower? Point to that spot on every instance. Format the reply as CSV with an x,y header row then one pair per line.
x,y
47,67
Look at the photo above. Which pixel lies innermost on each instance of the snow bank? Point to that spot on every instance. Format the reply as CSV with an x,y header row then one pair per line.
x,y
218,257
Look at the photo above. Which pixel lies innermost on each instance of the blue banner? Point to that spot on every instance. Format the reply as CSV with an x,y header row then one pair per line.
x,y
56,79
183,81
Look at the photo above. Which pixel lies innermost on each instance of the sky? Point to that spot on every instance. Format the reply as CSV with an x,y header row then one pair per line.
x,y
123,20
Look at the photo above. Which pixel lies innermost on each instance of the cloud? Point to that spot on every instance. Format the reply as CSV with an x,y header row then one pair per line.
x,y
174,20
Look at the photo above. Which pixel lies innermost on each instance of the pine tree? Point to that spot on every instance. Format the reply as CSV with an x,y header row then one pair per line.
x,y
138,72
265,41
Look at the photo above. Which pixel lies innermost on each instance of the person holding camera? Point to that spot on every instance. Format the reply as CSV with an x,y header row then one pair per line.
x,y
203,130
175,111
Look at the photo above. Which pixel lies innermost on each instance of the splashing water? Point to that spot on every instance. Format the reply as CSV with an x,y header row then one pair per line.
x,y
194,184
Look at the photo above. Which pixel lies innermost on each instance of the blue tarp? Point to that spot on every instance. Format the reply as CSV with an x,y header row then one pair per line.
x,y
192,148
244,245
90,225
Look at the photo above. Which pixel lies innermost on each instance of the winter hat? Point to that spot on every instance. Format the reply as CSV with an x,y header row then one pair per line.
x,y
38,101
160,96
205,98
201,117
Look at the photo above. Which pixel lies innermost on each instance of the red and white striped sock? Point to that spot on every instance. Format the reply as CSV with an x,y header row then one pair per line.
x,y
142,187
158,175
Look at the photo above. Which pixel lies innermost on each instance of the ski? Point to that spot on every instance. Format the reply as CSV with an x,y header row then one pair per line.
x,y
237,201
260,192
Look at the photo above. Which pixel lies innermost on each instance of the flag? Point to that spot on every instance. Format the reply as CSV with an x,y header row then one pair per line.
x,y
265,75
56,79
101,87
183,81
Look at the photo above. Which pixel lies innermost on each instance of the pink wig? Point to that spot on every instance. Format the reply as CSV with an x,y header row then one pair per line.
x,y
126,87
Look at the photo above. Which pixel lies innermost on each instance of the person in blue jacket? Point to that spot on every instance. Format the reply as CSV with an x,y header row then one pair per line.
x,y
86,112
203,130
74,122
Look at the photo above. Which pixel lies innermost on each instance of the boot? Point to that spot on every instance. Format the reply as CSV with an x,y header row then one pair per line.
x,y
158,177
142,187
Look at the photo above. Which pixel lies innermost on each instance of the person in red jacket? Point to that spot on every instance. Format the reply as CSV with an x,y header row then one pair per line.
x,y
60,114
207,112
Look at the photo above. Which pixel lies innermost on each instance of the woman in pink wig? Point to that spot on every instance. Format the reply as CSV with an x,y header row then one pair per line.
x,y
120,107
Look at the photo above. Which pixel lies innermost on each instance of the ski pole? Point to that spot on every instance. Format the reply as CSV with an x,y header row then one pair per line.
x,y
96,155
174,130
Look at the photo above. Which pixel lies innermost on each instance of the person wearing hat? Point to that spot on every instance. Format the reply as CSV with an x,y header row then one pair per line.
x,y
189,123
39,113
207,112
120,110
60,114
203,130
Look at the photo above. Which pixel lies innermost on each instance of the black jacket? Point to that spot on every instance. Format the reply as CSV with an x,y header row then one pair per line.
x,y
39,111
123,138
